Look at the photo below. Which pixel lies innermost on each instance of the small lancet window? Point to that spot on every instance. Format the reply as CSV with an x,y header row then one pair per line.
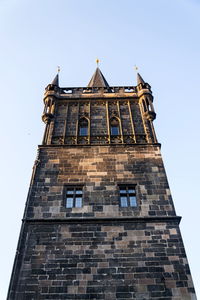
x,y
148,105
144,106
114,127
83,127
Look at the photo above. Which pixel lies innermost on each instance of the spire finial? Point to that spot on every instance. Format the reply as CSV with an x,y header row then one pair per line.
x,y
135,68
58,69
97,62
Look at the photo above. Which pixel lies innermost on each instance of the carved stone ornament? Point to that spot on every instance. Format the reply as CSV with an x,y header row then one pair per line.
x,y
46,118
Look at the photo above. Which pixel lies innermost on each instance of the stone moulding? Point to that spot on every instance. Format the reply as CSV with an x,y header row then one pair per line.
x,y
176,219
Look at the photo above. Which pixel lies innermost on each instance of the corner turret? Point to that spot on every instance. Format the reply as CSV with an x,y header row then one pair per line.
x,y
54,85
146,105
49,105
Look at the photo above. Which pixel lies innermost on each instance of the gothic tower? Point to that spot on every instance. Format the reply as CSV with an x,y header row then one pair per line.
x,y
99,220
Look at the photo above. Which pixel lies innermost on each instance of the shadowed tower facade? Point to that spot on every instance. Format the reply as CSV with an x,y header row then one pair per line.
x,y
99,220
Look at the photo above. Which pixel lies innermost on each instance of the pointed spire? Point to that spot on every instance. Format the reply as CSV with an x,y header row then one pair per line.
x,y
56,80
98,80
140,79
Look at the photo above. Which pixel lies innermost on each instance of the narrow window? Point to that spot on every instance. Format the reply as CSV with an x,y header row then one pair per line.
x,y
114,126
83,127
144,106
127,196
74,197
148,105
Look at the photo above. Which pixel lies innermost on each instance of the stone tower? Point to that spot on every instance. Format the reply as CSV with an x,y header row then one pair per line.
x,y
99,220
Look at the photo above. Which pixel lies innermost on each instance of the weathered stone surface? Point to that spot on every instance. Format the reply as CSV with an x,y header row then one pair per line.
x,y
84,261
100,250
99,172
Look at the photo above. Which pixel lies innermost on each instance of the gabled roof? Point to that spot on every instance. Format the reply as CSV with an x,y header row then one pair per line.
x,y
98,80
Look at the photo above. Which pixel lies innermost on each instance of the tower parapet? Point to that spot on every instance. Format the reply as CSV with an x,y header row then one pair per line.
x,y
129,107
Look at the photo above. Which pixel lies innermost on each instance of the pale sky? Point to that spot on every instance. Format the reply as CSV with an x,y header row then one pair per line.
x,y
160,36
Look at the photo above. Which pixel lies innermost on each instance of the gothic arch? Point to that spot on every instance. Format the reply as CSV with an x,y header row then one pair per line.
x,y
114,126
83,126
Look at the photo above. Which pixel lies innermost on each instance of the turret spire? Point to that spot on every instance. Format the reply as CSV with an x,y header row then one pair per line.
x,y
56,80
98,80
140,79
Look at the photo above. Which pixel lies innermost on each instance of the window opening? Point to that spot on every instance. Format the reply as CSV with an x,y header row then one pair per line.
x,y
144,106
114,127
127,196
74,197
114,130
148,105
83,127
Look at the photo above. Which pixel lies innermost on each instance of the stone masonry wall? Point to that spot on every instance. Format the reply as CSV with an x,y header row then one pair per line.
x,y
99,113
101,250
103,260
100,169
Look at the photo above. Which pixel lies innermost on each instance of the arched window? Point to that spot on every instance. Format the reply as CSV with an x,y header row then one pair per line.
x,y
114,126
83,127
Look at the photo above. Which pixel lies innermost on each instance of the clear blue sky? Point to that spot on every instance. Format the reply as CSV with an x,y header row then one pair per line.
x,y
160,36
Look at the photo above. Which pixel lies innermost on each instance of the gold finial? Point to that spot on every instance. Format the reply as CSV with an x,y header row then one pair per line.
x,y
97,61
58,69
136,68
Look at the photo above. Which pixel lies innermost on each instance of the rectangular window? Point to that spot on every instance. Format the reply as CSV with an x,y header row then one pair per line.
x,y
83,131
74,196
127,196
114,130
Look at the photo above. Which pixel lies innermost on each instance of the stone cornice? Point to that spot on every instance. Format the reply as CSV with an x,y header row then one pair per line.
x,y
94,145
164,219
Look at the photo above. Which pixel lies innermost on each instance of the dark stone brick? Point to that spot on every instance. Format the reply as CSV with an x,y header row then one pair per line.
x,y
123,289
123,295
155,287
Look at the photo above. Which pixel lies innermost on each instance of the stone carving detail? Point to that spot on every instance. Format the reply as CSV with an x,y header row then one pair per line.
x,y
97,103
83,140
58,140
129,139
116,139
104,139
83,114
141,138
71,140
